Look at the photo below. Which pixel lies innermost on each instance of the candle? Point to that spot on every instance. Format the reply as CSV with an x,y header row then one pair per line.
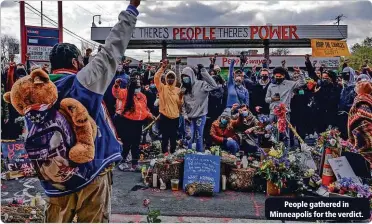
x,y
223,182
154,180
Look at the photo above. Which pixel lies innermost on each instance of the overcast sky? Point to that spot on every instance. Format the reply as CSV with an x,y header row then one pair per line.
x,y
78,17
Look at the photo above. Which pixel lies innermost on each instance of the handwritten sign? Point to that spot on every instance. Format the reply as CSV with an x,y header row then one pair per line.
x,y
203,169
341,167
326,48
16,157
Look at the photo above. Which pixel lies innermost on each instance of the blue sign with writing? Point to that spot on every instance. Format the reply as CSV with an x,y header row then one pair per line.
x,y
202,169
15,156
40,41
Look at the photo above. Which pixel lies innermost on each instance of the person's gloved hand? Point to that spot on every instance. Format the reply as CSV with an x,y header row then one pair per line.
x,y
200,66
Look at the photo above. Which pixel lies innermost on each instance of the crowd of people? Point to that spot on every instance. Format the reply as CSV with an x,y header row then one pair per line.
x,y
195,105
191,107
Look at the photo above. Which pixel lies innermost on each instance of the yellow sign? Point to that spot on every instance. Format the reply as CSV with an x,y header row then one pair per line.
x,y
329,48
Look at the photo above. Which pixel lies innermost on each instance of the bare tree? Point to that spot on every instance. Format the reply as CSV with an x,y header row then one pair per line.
x,y
9,45
280,52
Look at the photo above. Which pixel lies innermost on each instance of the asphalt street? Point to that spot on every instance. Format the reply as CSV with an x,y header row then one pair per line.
x,y
129,193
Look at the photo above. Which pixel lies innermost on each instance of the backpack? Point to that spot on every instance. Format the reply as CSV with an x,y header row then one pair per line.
x,y
50,136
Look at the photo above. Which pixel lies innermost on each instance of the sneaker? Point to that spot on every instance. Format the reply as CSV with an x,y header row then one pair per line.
x,y
124,167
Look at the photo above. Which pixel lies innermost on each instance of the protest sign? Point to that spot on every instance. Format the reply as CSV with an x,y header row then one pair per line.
x,y
329,48
202,169
16,157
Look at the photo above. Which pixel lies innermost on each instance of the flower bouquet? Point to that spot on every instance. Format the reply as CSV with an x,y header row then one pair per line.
x,y
330,139
346,186
275,168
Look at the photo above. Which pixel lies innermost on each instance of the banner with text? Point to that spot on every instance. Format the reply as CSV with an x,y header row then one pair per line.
x,y
291,61
329,48
289,32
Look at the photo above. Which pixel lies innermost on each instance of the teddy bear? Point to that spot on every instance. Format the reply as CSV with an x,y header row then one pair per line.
x,y
37,92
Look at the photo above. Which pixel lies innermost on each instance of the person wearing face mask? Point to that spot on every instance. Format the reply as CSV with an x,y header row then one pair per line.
x,y
281,92
237,93
299,108
347,84
360,119
327,97
195,106
216,105
131,114
90,200
223,133
108,98
246,129
258,104
170,102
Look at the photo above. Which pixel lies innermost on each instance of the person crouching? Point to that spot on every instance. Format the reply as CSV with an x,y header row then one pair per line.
x,y
223,133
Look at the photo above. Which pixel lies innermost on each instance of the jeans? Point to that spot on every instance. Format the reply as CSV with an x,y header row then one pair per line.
x,y
232,146
194,132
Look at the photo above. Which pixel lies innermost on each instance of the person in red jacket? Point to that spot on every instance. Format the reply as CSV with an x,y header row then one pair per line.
x,y
131,114
223,132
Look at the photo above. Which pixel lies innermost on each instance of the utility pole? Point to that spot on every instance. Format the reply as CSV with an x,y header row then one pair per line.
x,y
149,53
41,14
339,18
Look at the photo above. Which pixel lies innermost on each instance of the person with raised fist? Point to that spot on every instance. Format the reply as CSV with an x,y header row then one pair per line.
x,y
195,107
170,102
87,194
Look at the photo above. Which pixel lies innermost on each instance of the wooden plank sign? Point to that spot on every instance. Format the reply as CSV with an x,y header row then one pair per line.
x,y
202,169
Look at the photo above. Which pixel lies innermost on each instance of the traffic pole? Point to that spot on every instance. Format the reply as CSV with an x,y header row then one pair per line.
x,y
23,31
60,22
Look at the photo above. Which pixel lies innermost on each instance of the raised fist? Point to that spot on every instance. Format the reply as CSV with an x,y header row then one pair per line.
x,y
178,60
135,3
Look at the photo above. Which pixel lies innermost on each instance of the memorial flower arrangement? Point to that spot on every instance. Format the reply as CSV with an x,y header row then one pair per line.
x,y
346,186
281,111
276,167
330,139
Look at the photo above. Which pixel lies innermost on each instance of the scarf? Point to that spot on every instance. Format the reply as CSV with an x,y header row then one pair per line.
x,y
360,125
10,77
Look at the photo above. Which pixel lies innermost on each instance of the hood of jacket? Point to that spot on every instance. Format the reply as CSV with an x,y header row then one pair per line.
x,y
175,79
189,72
352,74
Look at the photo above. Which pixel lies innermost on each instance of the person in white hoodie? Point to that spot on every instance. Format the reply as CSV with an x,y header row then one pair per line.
x,y
195,106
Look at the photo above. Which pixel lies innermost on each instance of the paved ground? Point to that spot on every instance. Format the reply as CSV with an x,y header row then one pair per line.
x,y
129,193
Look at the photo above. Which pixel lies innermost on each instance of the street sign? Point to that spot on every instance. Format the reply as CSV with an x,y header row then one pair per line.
x,y
40,41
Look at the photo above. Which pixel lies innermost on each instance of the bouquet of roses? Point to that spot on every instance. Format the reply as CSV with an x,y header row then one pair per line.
x,y
330,138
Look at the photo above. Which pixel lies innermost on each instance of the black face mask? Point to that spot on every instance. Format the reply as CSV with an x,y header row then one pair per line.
x,y
264,77
21,72
279,81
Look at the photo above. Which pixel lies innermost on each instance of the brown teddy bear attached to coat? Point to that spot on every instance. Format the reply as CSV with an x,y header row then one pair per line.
x,y
37,91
